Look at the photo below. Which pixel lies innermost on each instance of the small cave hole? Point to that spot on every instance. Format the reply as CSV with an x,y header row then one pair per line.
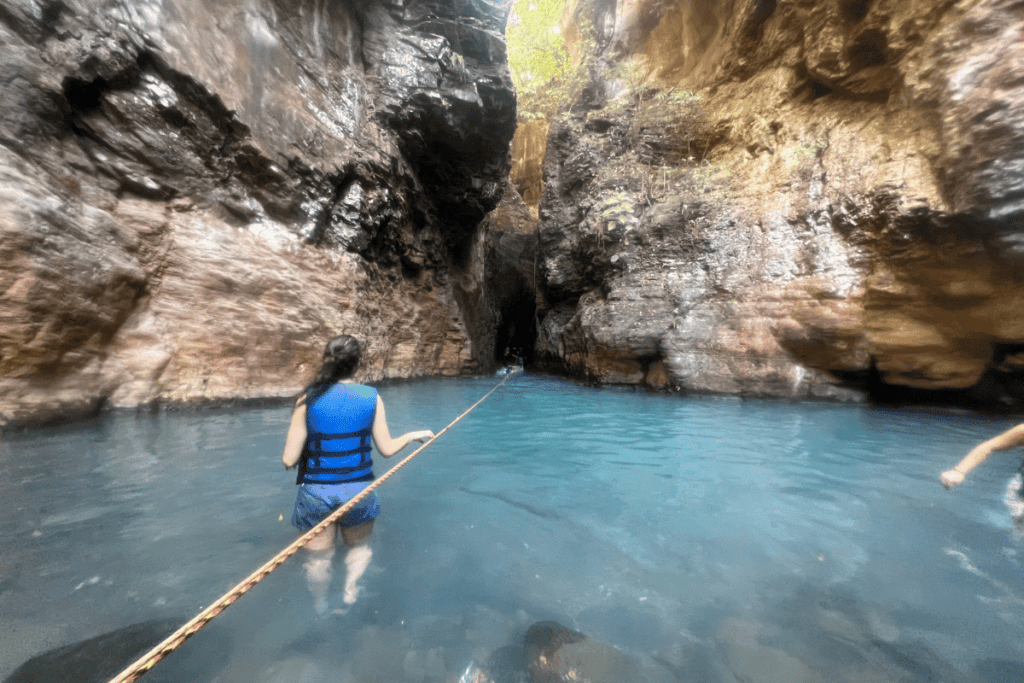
x,y
51,15
84,96
855,10
818,89
870,49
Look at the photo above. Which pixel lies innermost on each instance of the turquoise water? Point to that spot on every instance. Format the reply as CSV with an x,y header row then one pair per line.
x,y
717,540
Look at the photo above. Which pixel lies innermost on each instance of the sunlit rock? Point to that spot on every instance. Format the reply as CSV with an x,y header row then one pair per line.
x,y
839,217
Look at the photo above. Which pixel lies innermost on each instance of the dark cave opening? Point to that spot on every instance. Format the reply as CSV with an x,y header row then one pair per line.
x,y
1004,353
84,96
516,332
999,390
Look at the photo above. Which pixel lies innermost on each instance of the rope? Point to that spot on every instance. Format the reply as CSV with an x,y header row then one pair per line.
x,y
173,641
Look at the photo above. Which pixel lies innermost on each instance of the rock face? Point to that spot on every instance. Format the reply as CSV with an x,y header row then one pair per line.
x,y
838,212
197,195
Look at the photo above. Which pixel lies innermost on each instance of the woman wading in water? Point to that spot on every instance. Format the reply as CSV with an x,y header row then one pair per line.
x,y
329,441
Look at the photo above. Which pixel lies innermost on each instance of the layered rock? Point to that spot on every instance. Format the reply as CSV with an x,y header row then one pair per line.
x,y
197,195
837,212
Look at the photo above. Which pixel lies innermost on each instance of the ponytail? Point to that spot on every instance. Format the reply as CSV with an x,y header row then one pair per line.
x,y
341,358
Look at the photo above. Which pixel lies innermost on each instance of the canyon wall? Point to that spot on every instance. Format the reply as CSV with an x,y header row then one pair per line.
x,y
196,195
791,199
755,197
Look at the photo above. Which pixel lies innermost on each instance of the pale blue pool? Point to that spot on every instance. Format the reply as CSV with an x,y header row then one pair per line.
x,y
718,538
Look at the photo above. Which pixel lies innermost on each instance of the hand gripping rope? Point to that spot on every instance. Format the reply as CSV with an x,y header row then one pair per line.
x,y
149,660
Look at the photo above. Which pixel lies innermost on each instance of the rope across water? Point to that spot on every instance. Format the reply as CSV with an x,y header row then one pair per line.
x,y
173,641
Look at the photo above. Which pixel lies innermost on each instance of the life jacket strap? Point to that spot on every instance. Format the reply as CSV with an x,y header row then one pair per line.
x,y
324,466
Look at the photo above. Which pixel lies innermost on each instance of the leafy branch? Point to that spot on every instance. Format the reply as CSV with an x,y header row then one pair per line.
x,y
548,72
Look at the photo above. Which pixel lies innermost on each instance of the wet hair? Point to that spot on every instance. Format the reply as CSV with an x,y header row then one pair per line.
x,y
341,358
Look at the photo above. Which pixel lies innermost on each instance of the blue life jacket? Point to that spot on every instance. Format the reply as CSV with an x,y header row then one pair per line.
x,y
338,430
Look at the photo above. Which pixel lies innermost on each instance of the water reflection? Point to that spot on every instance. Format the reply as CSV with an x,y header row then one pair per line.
x,y
716,539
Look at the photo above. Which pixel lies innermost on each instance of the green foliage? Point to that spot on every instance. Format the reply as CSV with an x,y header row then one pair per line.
x,y
537,52
545,73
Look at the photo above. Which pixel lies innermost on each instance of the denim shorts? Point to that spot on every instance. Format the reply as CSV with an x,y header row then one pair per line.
x,y
315,502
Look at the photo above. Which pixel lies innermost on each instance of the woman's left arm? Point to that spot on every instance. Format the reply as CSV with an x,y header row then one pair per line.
x,y
296,438
382,439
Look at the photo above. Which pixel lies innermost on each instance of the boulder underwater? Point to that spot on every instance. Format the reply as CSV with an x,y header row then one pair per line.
x,y
104,656
557,654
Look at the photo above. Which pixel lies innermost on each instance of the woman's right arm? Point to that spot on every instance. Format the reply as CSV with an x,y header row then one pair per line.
x,y
1008,439
382,439
296,438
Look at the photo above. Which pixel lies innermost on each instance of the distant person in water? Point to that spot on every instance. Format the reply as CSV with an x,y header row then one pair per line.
x,y
1015,491
329,441
507,370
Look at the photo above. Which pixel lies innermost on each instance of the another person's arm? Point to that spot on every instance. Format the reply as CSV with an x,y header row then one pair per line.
x,y
296,438
382,439
1008,439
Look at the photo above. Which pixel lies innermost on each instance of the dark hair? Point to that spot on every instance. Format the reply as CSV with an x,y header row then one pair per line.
x,y
341,358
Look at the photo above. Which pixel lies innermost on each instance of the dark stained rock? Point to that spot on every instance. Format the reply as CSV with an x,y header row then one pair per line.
x,y
446,92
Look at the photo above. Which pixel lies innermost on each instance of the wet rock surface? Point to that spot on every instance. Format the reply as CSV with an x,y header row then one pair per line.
x,y
837,216
197,195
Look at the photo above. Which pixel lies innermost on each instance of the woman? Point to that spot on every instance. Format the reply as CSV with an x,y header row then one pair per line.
x,y
329,441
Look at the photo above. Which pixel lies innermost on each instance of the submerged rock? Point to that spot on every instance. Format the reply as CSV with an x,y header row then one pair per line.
x,y
556,654
101,658
749,660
